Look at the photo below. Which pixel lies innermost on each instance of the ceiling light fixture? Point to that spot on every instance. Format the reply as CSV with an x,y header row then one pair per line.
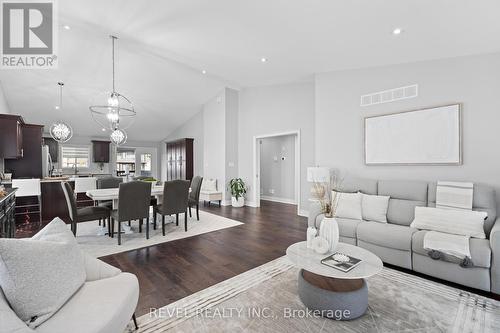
x,y
59,130
263,59
113,110
397,31
118,137
67,27
203,72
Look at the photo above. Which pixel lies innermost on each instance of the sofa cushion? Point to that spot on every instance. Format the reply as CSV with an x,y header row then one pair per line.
x,y
374,207
209,185
405,196
453,221
9,321
348,205
479,249
353,185
100,306
347,227
484,199
28,272
388,235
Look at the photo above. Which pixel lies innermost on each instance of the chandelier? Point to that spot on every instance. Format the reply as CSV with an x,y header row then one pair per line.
x,y
118,137
59,130
112,110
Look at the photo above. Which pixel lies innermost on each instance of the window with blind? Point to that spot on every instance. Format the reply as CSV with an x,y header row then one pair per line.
x,y
75,156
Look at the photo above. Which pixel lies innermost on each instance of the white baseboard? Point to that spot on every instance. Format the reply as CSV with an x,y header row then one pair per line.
x,y
250,204
304,213
225,203
278,199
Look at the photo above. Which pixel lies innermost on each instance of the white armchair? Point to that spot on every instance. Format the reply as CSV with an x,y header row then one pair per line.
x,y
104,304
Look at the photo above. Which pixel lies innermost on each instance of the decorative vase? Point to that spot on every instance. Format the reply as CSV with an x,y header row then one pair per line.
x,y
329,230
240,202
320,245
311,233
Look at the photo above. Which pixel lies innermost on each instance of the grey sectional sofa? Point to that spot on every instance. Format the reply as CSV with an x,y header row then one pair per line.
x,y
398,244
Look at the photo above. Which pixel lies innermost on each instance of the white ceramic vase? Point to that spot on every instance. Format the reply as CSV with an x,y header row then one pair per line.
x,y
237,203
329,230
311,233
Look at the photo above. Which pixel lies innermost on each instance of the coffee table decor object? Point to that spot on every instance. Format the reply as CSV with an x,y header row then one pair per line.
x,y
341,261
331,292
320,245
329,230
310,234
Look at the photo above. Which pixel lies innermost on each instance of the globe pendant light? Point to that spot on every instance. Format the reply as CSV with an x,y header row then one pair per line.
x,y
112,110
118,137
59,130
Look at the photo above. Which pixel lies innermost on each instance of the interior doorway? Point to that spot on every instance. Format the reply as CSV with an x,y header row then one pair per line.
x,y
277,168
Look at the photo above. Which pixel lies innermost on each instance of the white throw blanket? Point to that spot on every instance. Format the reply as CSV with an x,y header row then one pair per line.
x,y
454,195
455,245
451,195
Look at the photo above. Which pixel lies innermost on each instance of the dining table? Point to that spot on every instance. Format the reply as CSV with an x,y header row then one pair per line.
x,y
105,194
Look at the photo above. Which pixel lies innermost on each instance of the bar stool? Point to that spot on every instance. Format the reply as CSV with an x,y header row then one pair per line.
x,y
29,188
82,185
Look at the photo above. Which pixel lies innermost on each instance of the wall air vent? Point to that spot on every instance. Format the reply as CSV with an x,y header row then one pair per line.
x,y
390,95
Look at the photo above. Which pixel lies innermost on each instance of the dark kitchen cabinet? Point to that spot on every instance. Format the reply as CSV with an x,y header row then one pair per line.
x,y
30,165
53,148
180,159
100,151
11,136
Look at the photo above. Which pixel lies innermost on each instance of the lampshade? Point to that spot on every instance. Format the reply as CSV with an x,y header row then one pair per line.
x,y
318,174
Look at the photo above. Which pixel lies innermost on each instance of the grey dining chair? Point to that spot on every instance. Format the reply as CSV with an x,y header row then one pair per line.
x,y
174,201
194,196
107,182
83,214
133,204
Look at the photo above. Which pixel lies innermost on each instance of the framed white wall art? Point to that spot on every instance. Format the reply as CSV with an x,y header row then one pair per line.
x,y
431,136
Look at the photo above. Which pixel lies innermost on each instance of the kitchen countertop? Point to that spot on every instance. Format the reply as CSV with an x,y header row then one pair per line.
x,y
56,179
9,191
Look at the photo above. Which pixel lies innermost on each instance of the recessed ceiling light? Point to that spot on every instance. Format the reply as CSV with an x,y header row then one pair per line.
x,y
263,59
397,31
67,27
56,107
104,130
203,72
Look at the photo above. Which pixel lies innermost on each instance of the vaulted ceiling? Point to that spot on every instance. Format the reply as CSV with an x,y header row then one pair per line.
x,y
165,44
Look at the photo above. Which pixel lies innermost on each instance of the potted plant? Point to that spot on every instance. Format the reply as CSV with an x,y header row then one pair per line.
x,y
238,189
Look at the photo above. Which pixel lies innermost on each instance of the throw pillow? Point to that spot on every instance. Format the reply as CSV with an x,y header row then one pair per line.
x,y
40,274
348,205
374,207
459,222
209,185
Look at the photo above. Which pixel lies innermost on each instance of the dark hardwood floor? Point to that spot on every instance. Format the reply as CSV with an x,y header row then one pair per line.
x,y
170,271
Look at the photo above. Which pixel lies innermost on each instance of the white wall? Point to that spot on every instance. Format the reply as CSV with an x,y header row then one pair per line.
x,y
214,139
473,81
193,128
277,168
276,109
231,139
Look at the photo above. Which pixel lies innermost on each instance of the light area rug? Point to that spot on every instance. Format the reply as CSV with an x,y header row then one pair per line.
x,y
98,246
265,299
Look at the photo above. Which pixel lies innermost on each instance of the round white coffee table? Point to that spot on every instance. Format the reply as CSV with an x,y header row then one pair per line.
x,y
333,293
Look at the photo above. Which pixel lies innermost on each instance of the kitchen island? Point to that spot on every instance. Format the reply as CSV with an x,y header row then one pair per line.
x,y
53,205
7,208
